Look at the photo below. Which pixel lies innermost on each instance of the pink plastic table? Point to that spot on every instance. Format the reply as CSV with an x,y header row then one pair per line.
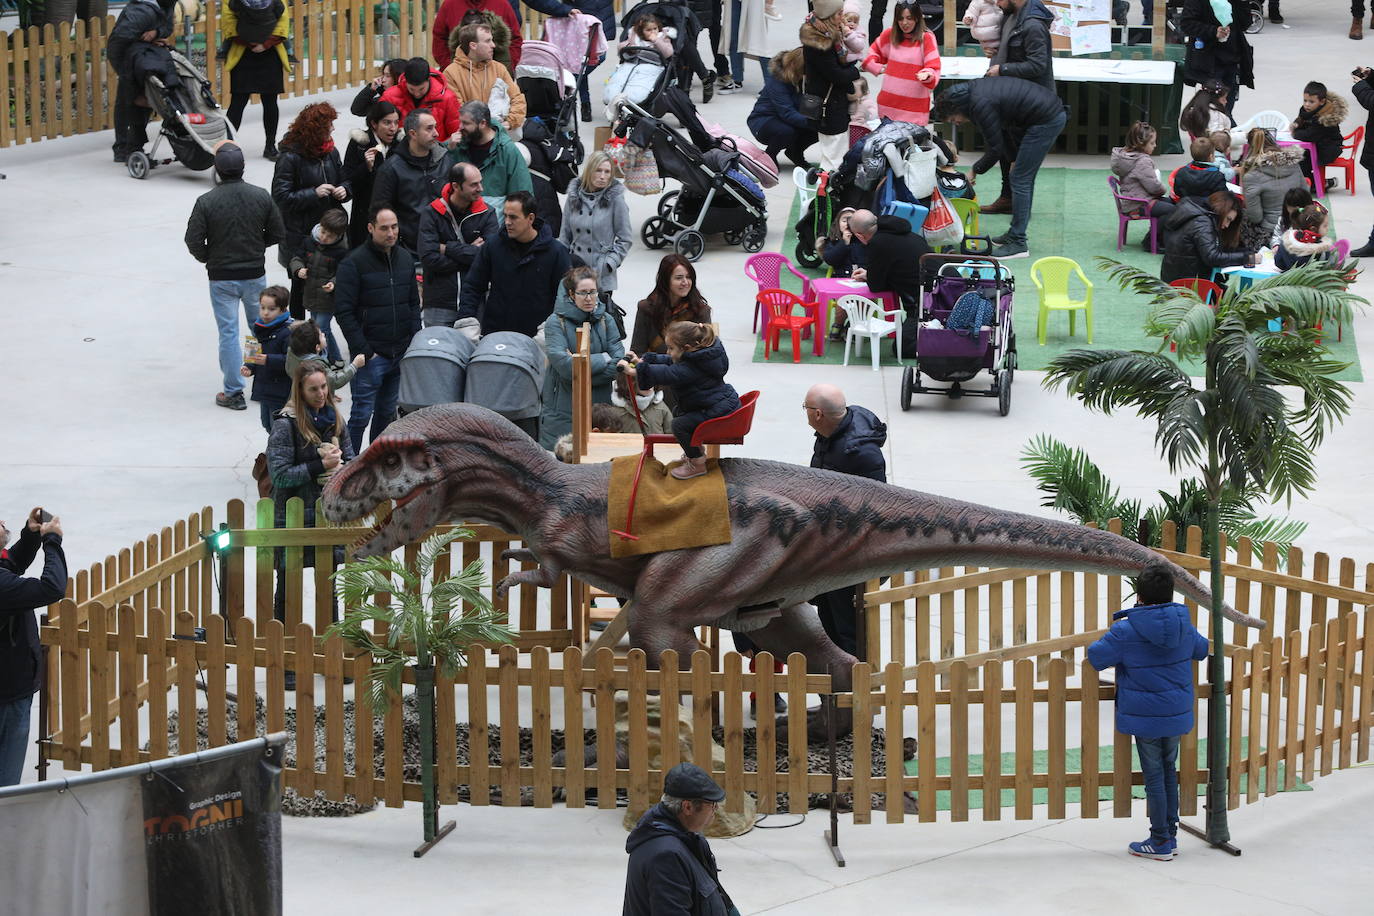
x,y
827,289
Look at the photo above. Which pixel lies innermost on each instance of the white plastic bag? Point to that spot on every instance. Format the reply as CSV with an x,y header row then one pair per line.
x,y
499,102
919,171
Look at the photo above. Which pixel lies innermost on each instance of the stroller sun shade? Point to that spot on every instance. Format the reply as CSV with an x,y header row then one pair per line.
x,y
433,368
506,374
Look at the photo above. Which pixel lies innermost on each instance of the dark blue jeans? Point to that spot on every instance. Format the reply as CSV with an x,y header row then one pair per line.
x,y
1158,763
14,738
1035,144
375,390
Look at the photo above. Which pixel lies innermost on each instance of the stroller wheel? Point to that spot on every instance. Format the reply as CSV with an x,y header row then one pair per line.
x,y
1004,392
654,233
690,244
908,381
754,238
666,203
733,236
1256,23
138,164
806,256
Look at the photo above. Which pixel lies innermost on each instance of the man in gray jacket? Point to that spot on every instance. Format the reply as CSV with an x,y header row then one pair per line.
x,y
231,227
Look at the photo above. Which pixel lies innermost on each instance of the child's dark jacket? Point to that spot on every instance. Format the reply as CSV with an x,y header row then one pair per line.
x,y
698,380
322,262
270,381
1153,648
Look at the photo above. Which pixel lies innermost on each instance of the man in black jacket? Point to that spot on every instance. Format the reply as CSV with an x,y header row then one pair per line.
x,y
19,647
513,282
452,229
893,253
1216,51
140,23
1024,53
231,227
672,868
1363,78
377,304
999,107
849,440
412,175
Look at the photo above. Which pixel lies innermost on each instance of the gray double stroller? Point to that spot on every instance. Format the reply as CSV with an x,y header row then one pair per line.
x,y
503,371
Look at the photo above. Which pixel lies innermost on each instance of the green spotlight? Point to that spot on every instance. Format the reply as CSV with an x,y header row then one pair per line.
x,y
219,540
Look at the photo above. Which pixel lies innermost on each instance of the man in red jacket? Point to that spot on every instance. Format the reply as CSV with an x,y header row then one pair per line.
x,y
421,87
451,14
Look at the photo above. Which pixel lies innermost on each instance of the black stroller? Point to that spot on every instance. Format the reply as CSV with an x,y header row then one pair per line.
x,y
678,16
716,195
505,373
192,121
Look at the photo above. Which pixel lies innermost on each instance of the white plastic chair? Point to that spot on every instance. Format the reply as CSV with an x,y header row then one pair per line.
x,y
1268,120
807,189
867,320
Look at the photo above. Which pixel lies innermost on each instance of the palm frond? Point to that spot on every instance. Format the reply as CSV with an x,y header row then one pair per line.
x,y
1072,483
434,547
1108,379
1291,470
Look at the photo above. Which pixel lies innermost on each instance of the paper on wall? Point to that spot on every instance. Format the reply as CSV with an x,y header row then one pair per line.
x,y
1063,22
1090,39
1092,10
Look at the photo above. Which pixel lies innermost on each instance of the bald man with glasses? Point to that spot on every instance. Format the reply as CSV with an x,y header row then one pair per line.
x,y
849,439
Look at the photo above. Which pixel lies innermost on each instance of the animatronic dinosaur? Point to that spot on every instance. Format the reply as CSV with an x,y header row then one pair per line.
x,y
797,532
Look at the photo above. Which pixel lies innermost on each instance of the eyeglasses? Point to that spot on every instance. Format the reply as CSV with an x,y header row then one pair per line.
x,y
808,408
585,293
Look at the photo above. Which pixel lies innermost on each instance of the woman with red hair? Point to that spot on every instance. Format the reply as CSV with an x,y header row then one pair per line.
x,y
307,182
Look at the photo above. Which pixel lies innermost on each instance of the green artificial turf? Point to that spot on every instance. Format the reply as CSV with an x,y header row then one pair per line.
x,y
1074,217
1072,764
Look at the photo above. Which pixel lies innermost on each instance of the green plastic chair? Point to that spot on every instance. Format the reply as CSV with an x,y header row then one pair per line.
x,y
1051,277
968,213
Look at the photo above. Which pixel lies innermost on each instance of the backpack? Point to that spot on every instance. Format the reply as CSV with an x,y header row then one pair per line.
x,y
257,19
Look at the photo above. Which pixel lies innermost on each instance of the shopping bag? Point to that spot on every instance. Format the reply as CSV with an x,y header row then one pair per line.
x,y
641,171
942,226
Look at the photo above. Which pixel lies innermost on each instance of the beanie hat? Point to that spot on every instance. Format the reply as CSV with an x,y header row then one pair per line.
x,y
824,9
229,161
852,8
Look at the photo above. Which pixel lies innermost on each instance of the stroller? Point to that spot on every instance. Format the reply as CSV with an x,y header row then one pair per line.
x,y
947,354
550,88
433,368
192,122
717,195
675,15
506,374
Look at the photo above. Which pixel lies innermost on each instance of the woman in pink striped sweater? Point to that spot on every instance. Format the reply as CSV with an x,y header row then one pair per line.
x,y
907,56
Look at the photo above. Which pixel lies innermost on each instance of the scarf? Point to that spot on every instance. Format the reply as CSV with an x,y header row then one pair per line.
x,y
276,322
323,420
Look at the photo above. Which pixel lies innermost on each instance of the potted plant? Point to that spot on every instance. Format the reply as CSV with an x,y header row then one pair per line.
x,y
427,631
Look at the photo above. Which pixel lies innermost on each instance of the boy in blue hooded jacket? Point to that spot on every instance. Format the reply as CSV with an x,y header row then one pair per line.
x,y
1153,646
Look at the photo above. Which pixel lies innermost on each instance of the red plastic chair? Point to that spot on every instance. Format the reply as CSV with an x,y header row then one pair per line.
x,y
1347,162
780,305
727,430
1124,219
1206,290
766,269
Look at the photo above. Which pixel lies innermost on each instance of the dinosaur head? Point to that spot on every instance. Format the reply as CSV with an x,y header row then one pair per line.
x,y
427,463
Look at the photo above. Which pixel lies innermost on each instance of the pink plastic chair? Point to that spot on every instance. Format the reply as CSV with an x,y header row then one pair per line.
x,y
1124,219
766,269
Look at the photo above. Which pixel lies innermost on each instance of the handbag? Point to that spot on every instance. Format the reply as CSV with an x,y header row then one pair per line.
x,y
812,106
641,171
262,475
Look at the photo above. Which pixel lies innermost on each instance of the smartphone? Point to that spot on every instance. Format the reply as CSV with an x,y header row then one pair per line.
x,y
44,516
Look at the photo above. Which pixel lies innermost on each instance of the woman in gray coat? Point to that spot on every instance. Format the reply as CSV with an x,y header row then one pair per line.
x,y
579,303
596,221
1270,171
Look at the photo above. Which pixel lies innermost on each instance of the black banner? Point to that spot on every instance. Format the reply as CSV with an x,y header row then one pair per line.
x,y
212,836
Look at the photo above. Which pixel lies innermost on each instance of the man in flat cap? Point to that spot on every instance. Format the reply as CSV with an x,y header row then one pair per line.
x,y
671,868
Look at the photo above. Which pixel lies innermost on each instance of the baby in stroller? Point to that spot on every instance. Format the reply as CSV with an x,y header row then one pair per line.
x,y
646,56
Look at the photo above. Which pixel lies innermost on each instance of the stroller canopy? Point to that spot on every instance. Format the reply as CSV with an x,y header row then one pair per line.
x,y
543,60
506,374
433,367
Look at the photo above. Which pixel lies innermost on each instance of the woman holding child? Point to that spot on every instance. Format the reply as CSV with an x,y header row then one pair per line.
x,y
579,303
308,181
675,298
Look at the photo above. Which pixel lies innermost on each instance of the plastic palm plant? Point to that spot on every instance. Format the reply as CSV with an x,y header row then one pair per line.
x,y
426,629
1237,428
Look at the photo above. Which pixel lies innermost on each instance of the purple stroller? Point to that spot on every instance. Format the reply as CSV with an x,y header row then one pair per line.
x,y
946,354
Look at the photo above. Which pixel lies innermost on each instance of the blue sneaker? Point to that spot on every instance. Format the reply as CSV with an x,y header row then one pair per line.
x,y
1152,848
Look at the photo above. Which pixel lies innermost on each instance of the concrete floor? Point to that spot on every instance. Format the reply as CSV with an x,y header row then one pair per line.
x,y
110,361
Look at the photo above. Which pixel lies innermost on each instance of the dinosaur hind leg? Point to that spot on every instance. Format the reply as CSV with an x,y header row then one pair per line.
x,y
798,629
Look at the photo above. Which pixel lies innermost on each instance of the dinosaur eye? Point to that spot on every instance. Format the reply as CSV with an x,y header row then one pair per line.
x,y
392,461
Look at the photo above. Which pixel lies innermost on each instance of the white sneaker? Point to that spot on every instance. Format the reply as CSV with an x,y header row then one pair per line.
x,y
725,85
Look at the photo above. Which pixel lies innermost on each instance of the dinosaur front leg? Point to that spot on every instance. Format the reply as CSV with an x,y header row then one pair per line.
x,y
798,629
543,576
520,555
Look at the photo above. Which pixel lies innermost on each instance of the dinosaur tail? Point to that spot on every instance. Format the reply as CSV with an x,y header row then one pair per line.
x,y
1040,543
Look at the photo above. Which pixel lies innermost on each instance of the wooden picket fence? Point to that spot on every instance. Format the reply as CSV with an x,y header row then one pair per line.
x,y
58,82
123,649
